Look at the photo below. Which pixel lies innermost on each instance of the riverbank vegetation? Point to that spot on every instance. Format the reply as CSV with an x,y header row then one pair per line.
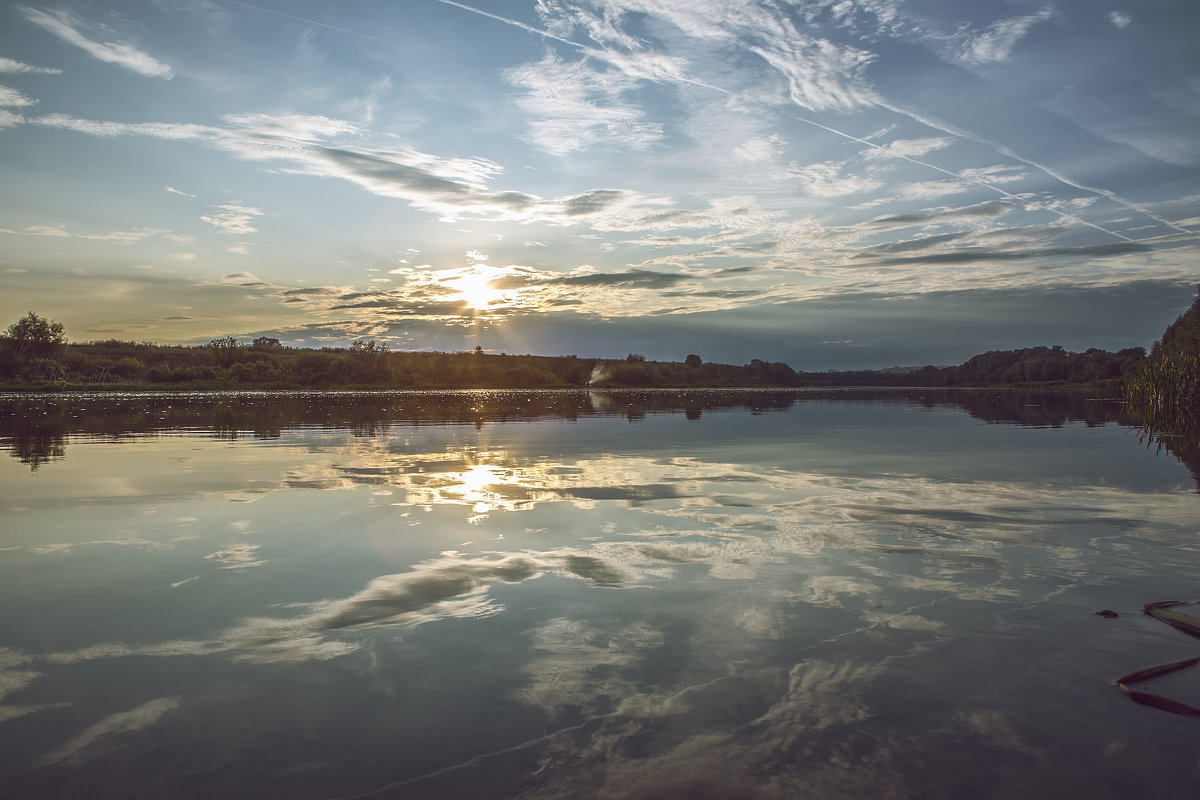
x,y
36,356
1167,384
1163,394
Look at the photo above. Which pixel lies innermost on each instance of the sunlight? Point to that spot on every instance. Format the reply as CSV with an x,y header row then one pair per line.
x,y
476,290
474,489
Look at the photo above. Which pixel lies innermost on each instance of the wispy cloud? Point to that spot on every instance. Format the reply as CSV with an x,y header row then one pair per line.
x,y
12,65
826,179
997,41
158,130
59,230
909,147
234,219
575,105
66,27
13,98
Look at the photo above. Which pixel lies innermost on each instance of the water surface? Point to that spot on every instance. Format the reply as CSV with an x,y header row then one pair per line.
x,y
639,594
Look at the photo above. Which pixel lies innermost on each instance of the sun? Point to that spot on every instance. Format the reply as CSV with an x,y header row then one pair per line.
x,y
476,291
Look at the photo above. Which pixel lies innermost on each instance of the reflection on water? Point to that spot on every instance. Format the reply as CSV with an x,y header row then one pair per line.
x,y
635,594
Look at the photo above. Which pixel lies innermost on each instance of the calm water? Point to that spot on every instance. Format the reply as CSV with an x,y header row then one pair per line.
x,y
485,594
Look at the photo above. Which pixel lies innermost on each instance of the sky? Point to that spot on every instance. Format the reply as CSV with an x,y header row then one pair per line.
x,y
831,183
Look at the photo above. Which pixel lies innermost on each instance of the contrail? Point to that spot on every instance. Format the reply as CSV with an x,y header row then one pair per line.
x,y
976,181
308,21
853,138
470,762
514,23
577,45
938,124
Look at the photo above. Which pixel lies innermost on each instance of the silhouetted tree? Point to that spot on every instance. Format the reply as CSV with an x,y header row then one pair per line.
x,y
37,333
225,350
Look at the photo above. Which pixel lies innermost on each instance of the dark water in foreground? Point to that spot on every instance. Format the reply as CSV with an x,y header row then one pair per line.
x,y
484,594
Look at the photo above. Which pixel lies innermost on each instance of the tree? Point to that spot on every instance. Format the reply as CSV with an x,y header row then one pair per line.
x,y
37,332
692,360
635,358
225,350
266,343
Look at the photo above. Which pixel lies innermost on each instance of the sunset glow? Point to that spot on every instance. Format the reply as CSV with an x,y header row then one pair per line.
x,y
858,184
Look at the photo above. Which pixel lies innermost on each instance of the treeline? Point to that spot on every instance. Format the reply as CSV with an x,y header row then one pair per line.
x,y
266,364
35,355
1033,365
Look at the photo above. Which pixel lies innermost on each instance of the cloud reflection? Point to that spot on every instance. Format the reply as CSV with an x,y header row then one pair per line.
x,y
135,719
723,615
434,590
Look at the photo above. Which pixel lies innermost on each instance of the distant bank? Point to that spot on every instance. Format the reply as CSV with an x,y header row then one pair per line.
x,y
35,356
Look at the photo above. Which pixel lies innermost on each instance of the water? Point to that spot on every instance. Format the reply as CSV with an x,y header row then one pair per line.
x,y
657,594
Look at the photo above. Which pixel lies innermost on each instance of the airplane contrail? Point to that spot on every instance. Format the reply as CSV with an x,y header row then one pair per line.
x,y
308,21
853,138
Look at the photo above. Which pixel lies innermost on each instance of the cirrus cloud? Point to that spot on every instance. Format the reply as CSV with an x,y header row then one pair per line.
x,y
66,27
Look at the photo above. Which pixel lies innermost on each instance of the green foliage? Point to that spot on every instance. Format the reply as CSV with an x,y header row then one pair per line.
x,y
128,367
1031,365
37,334
226,350
1166,390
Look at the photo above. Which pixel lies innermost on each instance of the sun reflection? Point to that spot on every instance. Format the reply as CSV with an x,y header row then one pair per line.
x,y
473,487
482,486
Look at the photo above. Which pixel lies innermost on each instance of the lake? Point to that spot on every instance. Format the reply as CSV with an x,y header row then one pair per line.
x,y
480,594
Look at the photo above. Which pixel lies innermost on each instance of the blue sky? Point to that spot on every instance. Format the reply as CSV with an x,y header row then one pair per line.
x,y
840,183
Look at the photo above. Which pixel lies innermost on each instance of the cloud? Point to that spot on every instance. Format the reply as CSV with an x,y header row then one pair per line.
x,y
975,255
12,98
644,279
238,556
158,130
179,192
821,75
234,219
909,148
992,208
928,190
996,43
756,149
1120,19
59,230
826,180
448,187
12,65
575,105
65,26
